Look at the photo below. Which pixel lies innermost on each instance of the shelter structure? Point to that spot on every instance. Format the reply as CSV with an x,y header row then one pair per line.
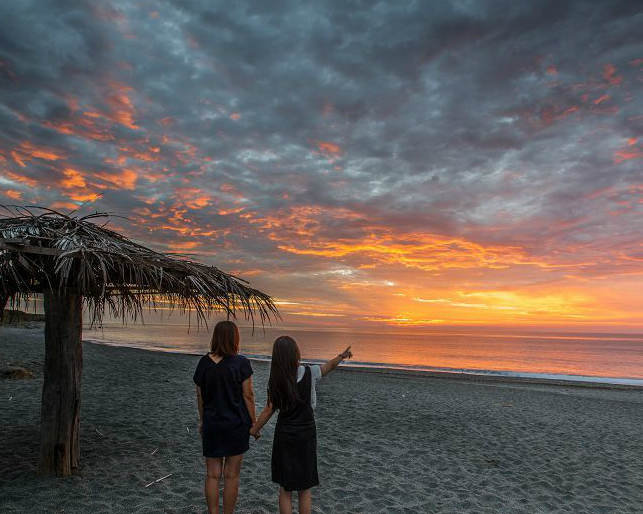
x,y
78,264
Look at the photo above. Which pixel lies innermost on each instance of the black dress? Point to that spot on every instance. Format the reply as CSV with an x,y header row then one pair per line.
x,y
294,447
226,421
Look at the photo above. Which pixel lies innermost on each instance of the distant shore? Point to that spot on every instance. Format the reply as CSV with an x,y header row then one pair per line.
x,y
389,442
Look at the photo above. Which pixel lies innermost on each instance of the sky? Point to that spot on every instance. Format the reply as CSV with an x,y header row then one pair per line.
x,y
369,164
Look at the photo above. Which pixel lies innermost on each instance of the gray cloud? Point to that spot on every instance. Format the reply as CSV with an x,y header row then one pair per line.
x,y
481,120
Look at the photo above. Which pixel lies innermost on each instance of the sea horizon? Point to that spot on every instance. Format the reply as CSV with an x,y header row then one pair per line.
x,y
580,357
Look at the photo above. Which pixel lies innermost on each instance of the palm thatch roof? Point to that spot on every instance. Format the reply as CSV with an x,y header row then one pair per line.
x,y
44,249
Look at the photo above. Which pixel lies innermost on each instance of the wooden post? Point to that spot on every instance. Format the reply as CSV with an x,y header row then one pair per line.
x,y
61,392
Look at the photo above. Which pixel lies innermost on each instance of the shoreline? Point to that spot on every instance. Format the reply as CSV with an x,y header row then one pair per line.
x,y
477,376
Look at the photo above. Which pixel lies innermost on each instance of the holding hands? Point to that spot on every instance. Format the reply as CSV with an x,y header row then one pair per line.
x,y
254,431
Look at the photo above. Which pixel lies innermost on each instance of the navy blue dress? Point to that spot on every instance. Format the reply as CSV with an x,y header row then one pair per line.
x,y
226,420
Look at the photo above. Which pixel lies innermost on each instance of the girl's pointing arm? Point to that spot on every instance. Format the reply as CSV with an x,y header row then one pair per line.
x,y
329,366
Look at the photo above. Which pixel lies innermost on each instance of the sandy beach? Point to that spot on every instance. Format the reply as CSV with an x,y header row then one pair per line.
x,y
388,443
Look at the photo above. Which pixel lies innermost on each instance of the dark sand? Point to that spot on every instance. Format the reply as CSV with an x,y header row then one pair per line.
x,y
387,443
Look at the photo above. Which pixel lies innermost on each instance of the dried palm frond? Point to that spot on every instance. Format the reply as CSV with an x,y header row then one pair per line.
x,y
41,249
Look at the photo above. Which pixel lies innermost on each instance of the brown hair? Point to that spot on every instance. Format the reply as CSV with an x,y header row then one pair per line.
x,y
282,383
225,340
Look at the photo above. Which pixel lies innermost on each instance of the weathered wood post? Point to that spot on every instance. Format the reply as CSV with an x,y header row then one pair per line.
x,y
61,392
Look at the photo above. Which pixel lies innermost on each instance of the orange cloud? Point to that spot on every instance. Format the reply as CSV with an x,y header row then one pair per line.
x,y
184,245
147,154
183,151
626,155
428,252
73,179
193,198
628,152
328,148
80,127
122,109
11,193
199,202
230,190
125,179
225,212
27,151
18,158
93,123
80,185
47,154
20,178
86,124
609,74
303,231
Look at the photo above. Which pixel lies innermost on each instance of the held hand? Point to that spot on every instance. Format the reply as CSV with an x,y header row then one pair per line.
x,y
346,354
254,432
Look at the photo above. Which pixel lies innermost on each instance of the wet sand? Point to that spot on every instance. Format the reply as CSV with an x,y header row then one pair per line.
x,y
388,443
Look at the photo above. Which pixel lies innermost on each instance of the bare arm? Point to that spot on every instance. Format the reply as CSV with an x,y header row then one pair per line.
x,y
265,415
199,402
249,398
329,366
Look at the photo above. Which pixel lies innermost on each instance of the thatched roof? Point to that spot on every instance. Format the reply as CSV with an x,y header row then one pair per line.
x,y
44,249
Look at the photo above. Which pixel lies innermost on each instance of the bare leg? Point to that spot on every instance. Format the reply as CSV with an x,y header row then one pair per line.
x,y
305,502
231,470
285,501
212,480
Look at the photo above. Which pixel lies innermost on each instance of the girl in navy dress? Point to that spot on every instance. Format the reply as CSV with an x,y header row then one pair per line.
x,y
226,403
291,391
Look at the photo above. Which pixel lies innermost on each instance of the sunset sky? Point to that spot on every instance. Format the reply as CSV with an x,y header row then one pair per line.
x,y
369,164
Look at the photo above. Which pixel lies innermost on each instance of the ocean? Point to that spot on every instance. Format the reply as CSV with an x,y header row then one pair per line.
x,y
608,358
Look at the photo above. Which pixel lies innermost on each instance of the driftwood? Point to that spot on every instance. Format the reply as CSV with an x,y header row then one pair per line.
x,y
159,479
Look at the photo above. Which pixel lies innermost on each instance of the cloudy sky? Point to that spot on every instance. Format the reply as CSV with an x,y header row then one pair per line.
x,y
367,163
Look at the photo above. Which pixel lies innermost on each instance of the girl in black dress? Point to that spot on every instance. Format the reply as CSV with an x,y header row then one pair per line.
x,y
291,391
226,403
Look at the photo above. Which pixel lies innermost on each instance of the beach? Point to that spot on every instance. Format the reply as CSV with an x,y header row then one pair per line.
x,y
387,442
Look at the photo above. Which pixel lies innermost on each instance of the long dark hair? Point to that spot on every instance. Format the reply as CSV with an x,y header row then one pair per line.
x,y
225,340
282,384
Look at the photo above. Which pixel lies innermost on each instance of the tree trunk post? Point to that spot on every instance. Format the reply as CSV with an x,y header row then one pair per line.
x,y
61,392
